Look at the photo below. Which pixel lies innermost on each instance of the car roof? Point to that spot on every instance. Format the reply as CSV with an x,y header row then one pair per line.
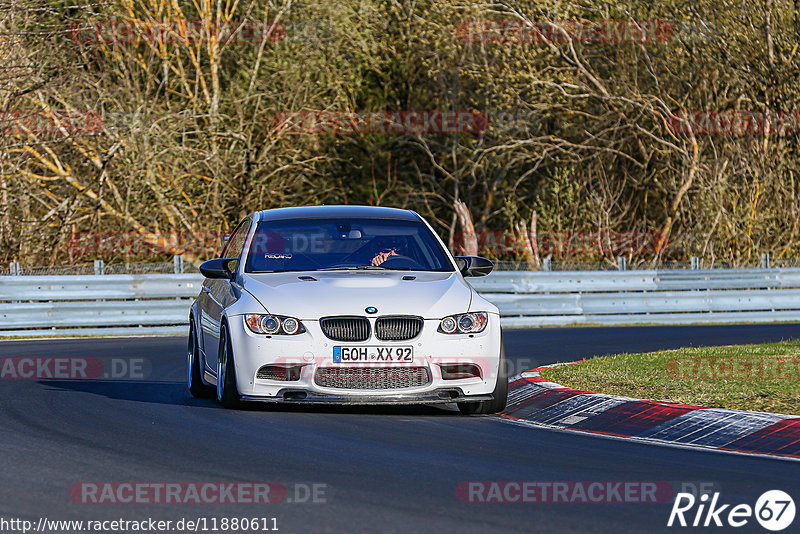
x,y
318,212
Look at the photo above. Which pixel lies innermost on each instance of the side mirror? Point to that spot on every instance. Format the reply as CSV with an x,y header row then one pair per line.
x,y
219,268
474,265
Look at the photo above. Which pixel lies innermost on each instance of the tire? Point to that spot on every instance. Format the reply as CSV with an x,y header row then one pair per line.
x,y
227,392
194,378
500,393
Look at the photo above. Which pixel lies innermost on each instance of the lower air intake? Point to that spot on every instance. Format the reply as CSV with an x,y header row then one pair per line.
x,y
279,372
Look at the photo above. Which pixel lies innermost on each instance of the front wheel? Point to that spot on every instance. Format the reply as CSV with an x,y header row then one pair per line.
x,y
500,393
227,392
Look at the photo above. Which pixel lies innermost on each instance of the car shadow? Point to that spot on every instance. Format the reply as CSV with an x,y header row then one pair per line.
x,y
175,393
155,392
359,409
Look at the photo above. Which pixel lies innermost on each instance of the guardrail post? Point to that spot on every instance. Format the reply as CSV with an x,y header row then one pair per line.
x,y
547,264
13,268
622,265
178,263
695,263
98,267
765,260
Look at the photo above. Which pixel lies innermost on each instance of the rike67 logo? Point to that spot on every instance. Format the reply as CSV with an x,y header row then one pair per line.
x,y
774,510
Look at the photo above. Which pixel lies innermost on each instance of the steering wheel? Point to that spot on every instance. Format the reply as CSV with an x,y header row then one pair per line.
x,y
404,260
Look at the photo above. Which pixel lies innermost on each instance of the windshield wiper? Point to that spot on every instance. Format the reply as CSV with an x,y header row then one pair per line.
x,y
355,268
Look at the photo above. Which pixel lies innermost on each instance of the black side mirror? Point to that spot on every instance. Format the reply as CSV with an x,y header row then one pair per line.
x,y
474,265
219,268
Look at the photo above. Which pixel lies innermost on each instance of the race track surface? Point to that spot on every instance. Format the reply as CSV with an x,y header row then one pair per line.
x,y
383,469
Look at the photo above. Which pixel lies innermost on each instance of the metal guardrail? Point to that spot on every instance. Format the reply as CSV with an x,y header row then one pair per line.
x,y
637,297
159,303
96,304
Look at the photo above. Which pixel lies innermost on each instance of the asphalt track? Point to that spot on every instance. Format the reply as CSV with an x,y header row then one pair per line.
x,y
384,470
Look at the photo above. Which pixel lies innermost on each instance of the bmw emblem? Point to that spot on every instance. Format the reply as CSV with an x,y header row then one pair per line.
x,y
371,309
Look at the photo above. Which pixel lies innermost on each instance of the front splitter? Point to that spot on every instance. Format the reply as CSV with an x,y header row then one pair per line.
x,y
300,396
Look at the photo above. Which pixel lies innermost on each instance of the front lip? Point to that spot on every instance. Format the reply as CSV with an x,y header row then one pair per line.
x,y
437,396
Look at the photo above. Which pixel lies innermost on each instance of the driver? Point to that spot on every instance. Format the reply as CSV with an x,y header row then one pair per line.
x,y
383,255
385,247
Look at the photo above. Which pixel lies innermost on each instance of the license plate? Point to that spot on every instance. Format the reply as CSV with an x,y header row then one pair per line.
x,y
373,354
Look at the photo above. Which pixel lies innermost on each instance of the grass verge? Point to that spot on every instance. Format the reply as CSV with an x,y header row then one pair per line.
x,y
763,378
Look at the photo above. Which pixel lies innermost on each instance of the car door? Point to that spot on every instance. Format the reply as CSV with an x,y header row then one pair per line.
x,y
217,295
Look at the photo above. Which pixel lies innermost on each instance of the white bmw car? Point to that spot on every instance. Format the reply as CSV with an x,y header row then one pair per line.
x,y
344,305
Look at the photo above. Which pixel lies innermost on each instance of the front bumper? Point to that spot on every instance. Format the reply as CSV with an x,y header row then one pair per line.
x,y
313,350
300,396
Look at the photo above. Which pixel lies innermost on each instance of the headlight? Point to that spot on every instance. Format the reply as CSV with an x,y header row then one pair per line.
x,y
465,323
291,326
273,324
448,325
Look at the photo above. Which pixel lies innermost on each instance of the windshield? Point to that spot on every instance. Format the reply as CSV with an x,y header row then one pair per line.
x,y
346,244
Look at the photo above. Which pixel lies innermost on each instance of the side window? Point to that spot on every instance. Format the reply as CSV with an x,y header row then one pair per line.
x,y
233,248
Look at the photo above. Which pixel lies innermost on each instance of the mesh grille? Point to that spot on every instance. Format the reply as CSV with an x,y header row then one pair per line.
x,y
372,377
398,328
345,328
279,372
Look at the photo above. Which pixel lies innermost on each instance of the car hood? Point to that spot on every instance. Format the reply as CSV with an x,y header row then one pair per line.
x,y
430,295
